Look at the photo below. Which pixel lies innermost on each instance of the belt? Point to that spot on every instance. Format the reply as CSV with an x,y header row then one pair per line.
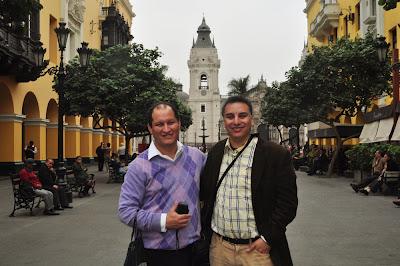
x,y
237,241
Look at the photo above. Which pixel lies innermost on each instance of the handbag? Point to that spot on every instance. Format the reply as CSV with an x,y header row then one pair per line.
x,y
135,253
201,248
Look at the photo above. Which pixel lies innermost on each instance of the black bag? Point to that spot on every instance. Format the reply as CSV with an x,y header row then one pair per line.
x,y
135,253
26,190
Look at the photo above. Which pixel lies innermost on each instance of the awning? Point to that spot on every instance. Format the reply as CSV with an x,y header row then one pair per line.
x,y
369,132
396,133
345,131
317,125
384,129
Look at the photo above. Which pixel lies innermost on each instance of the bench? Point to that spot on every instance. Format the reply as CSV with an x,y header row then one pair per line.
x,y
21,200
75,186
113,174
391,179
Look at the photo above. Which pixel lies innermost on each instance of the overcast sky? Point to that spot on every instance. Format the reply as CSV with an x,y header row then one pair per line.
x,y
252,37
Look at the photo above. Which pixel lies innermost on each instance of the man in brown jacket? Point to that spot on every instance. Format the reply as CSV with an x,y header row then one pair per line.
x,y
257,198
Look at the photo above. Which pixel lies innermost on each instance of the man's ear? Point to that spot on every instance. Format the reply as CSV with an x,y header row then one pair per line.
x,y
149,129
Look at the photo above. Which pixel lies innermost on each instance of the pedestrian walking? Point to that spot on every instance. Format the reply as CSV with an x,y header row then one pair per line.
x,y
100,156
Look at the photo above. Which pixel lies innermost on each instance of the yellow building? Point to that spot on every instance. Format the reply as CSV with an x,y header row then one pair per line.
x,y
330,20
28,104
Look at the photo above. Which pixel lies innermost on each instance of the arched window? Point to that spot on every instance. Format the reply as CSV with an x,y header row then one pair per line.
x,y
203,82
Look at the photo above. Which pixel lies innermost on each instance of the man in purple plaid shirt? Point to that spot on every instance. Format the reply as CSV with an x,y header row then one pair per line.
x,y
157,180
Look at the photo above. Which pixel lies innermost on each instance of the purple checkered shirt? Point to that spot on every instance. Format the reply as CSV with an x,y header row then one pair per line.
x,y
152,187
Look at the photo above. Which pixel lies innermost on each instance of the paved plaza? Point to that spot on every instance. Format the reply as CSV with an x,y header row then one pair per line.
x,y
334,226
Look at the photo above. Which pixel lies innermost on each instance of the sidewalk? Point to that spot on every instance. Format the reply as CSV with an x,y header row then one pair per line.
x,y
88,234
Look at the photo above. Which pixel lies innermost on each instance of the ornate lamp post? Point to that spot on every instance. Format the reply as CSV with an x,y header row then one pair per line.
x,y
382,50
60,72
203,136
219,129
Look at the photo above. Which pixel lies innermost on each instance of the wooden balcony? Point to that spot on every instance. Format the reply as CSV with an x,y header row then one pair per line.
x,y
17,54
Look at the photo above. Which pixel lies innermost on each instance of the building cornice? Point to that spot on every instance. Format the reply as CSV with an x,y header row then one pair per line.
x,y
308,4
73,128
128,7
86,130
36,122
12,118
98,131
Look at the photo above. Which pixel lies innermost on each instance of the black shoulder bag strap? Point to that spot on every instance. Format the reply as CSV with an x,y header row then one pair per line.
x,y
231,164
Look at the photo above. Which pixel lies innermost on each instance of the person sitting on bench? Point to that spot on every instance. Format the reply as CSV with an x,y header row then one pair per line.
x,y
390,165
319,163
48,177
378,164
29,177
82,177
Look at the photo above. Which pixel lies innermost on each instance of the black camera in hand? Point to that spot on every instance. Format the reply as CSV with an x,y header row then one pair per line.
x,y
182,208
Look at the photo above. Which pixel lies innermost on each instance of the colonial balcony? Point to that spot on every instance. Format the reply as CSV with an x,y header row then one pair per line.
x,y
115,30
326,20
17,54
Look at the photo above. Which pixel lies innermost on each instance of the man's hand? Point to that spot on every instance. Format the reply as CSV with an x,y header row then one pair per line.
x,y
176,221
259,245
55,186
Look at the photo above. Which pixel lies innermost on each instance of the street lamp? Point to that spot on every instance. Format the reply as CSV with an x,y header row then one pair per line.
x,y
382,49
59,71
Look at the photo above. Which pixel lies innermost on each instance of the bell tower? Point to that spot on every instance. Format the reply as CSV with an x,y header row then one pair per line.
x,y
204,96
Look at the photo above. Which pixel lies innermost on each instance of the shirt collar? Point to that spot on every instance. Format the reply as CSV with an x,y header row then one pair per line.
x,y
153,152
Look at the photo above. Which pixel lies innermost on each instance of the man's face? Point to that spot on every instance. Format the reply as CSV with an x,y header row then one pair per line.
x,y
164,127
237,120
49,164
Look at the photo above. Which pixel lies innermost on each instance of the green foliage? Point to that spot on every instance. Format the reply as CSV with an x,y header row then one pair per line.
x,y
121,83
239,86
388,4
18,10
361,155
283,104
344,77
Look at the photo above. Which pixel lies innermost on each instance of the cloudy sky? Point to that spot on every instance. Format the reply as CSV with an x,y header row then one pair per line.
x,y
252,37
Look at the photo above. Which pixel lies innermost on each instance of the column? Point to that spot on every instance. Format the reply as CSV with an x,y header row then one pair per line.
x,y
72,141
87,144
114,142
11,142
51,140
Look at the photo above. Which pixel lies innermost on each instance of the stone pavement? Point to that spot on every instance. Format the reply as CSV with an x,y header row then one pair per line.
x,y
334,226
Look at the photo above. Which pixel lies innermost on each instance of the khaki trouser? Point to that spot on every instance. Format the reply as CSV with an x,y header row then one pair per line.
x,y
47,197
223,253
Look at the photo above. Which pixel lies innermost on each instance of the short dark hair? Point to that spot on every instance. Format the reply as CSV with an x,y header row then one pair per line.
x,y
237,99
161,104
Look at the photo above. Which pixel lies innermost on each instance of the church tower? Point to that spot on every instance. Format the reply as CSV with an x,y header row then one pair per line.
x,y
204,96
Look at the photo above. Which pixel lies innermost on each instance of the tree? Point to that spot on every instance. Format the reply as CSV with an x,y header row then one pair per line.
x,y
121,83
388,4
12,11
239,86
283,104
341,80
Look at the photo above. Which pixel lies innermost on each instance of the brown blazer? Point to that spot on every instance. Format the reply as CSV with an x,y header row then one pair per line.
x,y
274,194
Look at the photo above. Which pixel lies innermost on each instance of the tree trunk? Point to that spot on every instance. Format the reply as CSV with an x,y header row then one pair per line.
x,y
339,145
127,145
280,135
